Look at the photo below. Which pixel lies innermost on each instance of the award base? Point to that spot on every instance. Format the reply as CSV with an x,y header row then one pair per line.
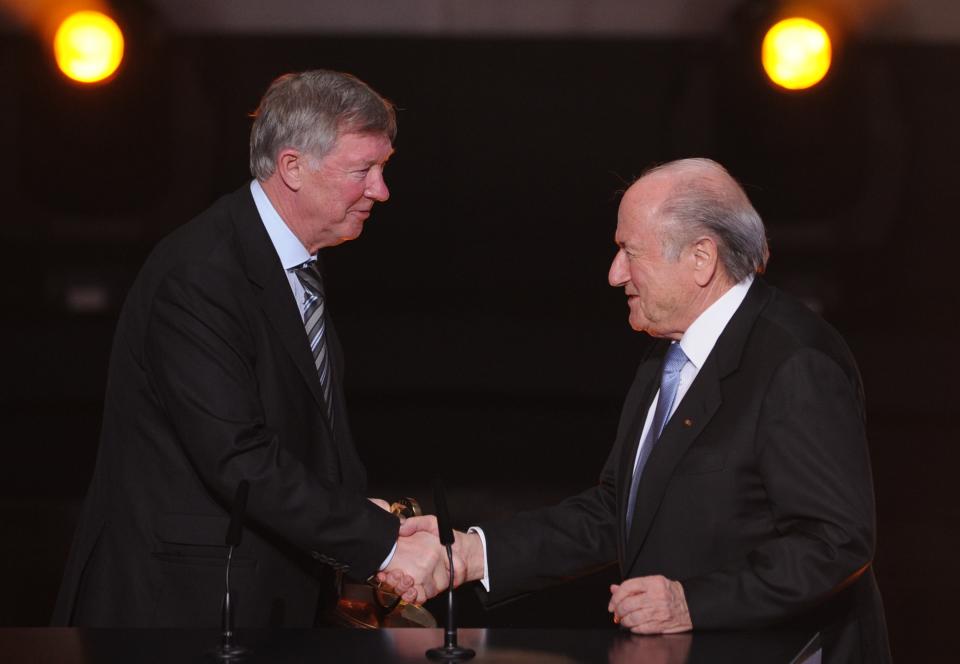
x,y
450,653
229,653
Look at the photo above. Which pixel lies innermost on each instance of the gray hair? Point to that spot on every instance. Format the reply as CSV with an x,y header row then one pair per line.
x,y
705,199
309,110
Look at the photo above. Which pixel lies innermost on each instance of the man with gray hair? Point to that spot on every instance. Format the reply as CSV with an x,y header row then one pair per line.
x,y
738,492
225,369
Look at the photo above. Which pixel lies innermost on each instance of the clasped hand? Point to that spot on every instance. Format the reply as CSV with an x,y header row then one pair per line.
x,y
420,567
650,605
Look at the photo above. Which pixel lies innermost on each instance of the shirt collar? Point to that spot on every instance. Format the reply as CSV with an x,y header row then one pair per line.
x,y
290,250
702,335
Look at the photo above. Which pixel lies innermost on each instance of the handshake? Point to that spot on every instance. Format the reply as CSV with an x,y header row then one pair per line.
x,y
420,569
420,566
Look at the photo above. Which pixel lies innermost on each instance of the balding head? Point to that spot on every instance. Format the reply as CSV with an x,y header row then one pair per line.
x,y
700,197
686,233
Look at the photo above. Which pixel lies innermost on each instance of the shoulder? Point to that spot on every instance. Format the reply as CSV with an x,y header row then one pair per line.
x,y
206,246
203,256
788,337
786,326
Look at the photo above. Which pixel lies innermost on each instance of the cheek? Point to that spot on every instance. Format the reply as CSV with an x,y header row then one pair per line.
x,y
356,192
638,278
345,196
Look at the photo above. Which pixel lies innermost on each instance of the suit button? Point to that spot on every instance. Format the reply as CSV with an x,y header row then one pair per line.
x,y
688,423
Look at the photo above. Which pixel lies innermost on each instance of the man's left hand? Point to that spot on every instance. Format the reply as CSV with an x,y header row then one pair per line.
x,y
650,605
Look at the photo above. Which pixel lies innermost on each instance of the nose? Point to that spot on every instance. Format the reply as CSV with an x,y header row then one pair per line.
x,y
618,274
376,186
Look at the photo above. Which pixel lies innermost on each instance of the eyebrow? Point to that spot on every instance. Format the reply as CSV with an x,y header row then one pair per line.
x,y
373,162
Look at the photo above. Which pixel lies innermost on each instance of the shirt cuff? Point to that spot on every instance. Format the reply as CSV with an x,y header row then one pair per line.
x,y
386,561
485,580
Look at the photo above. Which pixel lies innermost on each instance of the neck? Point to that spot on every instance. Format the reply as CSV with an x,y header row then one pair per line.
x,y
714,291
703,300
282,200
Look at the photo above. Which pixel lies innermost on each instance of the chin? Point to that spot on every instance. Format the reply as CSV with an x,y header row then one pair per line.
x,y
350,235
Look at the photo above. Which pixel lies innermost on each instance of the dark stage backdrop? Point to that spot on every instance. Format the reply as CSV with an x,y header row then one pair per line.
x,y
477,320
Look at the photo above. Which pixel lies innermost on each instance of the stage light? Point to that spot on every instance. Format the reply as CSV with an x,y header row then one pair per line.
x,y
796,53
88,46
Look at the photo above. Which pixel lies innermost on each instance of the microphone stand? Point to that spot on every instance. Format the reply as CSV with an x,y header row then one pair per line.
x,y
450,651
229,651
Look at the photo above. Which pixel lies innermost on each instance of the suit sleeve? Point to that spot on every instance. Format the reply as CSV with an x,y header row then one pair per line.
x,y
200,358
540,548
812,454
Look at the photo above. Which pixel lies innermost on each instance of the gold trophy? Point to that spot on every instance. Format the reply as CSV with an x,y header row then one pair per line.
x,y
373,605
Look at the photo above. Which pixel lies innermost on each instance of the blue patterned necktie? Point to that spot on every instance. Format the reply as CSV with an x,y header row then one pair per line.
x,y
669,382
315,323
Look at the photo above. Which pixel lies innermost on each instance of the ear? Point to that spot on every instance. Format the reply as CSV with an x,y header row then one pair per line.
x,y
704,257
292,168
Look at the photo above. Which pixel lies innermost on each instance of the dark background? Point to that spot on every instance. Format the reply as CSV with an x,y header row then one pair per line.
x,y
478,324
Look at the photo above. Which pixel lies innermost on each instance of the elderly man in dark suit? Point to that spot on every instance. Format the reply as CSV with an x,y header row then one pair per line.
x,y
738,492
226,367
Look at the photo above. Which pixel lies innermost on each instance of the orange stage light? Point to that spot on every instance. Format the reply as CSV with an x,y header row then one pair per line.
x,y
88,46
796,53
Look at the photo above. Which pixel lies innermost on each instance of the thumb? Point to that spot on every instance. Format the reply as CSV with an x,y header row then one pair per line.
x,y
416,524
611,605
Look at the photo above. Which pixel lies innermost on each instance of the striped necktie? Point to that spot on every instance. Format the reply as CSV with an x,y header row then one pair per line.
x,y
315,323
669,382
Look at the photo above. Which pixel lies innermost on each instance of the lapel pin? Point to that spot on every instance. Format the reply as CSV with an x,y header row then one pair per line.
x,y
688,423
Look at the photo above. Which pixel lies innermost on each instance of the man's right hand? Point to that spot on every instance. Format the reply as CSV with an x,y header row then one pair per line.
x,y
468,561
418,556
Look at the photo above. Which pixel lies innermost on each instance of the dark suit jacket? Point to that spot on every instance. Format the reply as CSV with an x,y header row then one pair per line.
x,y
212,382
758,496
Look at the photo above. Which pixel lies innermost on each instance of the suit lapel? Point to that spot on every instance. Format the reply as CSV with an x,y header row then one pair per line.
x,y
687,422
352,472
691,417
267,276
635,408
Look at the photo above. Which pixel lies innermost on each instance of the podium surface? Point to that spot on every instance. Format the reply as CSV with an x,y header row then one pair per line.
x,y
498,645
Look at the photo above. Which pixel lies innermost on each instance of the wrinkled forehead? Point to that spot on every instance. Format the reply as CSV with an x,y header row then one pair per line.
x,y
372,146
651,189
642,202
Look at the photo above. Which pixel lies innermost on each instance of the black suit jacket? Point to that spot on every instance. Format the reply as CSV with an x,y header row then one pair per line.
x,y
758,496
212,382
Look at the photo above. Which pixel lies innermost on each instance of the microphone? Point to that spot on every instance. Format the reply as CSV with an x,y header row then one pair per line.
x,y
227,650
443,514
235,529
450,650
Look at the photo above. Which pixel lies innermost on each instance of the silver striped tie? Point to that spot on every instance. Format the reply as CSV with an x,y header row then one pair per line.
x,y
315,323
